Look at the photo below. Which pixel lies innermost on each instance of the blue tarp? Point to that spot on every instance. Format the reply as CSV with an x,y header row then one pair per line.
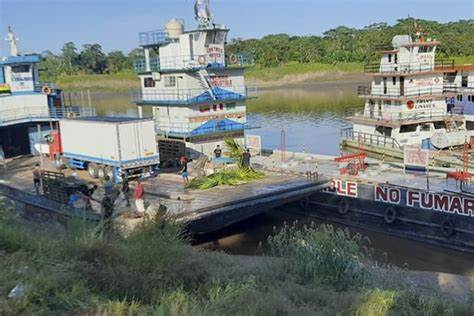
x,y
219,94
216,126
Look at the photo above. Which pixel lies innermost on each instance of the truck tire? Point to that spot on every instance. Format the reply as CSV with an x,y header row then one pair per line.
x,y
101,172
93,170
110,172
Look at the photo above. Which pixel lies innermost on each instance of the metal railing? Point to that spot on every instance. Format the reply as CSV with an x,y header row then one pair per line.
x,y
401,116
41,113
191,96
457,89
369,139
408,92
158,63
152,38
408,67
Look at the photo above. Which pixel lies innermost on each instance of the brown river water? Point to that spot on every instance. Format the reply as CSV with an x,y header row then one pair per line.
x,y
312,115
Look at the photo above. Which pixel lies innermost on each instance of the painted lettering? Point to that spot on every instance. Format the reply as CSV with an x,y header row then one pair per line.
x,y
441,203
412,197
456,205
426,200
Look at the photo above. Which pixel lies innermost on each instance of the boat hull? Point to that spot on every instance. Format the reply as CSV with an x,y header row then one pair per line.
x,y
440,219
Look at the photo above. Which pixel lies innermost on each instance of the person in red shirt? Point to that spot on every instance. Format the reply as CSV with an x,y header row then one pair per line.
x,y
138,196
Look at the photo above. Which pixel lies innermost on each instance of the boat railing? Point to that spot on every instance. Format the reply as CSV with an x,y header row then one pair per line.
x,y
369,139
153,38
185,129
367,91
409,67
189,62
456,89
32,113
190,96
404,116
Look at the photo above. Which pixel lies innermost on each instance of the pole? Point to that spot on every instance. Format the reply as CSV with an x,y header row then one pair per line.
x,y
41,155
283,145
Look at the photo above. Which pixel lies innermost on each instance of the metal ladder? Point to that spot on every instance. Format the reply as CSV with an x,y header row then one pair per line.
x,y
206,83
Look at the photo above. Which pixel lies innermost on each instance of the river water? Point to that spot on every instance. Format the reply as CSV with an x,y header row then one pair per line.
x,y
311,116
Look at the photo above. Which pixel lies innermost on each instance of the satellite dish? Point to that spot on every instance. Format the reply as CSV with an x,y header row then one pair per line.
x,y
202,12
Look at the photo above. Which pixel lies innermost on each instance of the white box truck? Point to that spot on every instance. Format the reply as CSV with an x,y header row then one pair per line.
x,y
112,146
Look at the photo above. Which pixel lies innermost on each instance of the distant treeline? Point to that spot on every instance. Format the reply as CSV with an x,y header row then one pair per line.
x,y
341,44
344,44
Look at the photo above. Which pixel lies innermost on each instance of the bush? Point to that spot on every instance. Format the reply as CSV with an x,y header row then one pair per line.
x,y
321,254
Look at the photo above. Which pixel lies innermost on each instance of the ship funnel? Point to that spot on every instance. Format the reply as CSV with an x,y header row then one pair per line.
x,y
174,28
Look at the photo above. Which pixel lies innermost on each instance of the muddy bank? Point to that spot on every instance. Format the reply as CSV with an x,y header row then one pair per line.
x,y
313,80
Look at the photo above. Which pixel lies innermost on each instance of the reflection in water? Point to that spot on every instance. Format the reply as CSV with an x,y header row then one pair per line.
x,y
250,236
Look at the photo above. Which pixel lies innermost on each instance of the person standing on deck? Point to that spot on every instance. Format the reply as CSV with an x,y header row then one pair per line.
x,y
218,152
125,189
138,195
246,159
184,171
37,178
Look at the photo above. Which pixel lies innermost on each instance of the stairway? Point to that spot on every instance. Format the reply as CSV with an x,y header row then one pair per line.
x,y
206,83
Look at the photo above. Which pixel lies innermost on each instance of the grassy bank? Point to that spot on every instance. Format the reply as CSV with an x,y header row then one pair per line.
x,y
289,73
154,271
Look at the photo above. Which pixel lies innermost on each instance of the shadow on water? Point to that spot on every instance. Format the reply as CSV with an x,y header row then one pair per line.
x,y
249,238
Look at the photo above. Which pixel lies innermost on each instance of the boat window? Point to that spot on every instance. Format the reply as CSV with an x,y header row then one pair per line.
x,y
470,125
170,81
425,49
464,81
148,82
394,80
389,58
439,125
408,128
21,68
215,37
425,127
384,130
459,97
230,106
377,81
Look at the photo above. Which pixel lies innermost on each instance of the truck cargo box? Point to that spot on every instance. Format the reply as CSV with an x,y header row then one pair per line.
x,y
113,141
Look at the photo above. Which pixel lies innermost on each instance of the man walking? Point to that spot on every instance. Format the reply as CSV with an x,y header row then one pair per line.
x,y
184,171
246,159
37,178
138,196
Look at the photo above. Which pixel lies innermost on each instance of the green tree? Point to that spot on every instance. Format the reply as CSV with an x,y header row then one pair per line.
x,y
69,58
92,59
116,61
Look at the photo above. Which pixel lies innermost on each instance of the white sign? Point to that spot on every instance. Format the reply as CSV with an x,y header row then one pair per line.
x,y
254,142
416,157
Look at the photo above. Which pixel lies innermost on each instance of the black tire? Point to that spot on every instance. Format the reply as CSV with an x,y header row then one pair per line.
x,y
344,207
110,172
390,215
304,203
447,228
101,172
93,170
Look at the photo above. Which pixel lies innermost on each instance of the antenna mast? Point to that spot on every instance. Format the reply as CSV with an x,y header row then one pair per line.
x,y
12,39
202,13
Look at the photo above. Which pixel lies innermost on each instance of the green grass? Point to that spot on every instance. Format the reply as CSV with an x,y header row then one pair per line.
x,y
154,271
122,81
460,60
294,68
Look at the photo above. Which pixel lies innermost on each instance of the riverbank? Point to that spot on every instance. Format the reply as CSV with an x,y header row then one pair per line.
x,y
292,73
316,270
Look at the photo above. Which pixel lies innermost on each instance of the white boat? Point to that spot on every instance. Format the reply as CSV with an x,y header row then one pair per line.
x,y
406,101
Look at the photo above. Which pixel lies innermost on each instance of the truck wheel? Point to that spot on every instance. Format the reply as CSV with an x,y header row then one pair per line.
x,y
92,168
101,172
110,172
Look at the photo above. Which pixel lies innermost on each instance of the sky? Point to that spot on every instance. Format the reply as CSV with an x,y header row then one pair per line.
x,y
48,24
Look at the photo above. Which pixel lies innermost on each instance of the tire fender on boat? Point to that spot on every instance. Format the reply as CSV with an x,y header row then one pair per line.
x,y
447,227
343,207
202,60
390,215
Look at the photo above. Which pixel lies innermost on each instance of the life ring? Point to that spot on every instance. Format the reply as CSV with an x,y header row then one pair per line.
x,y
71,115
410,105
202,60
46,90
390,215
343,207
233,59
447,228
